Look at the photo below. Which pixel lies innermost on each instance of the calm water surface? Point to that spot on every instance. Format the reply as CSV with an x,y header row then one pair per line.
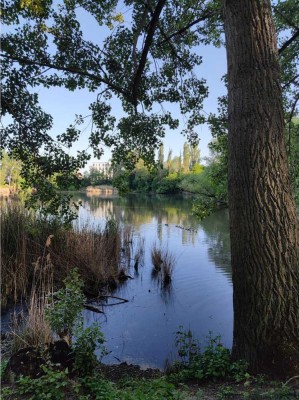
x,y
141,331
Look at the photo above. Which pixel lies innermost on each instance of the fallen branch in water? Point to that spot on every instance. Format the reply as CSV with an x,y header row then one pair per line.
x,y
113,297
92,308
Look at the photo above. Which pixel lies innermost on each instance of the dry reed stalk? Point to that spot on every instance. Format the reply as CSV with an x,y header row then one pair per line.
x,y
25,238
33,329
167,267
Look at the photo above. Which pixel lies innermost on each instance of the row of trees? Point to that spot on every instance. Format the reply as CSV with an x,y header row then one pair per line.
x,y
150,62
163,177
180,164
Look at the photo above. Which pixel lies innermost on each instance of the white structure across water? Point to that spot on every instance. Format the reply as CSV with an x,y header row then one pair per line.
x,y
104,167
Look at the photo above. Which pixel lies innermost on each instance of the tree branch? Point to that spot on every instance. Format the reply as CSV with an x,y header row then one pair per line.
x,y
24,127
72,70
173,50
205,16
289,41
136,36
290,81
147,44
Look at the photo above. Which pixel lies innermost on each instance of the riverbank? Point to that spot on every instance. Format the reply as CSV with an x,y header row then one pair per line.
x,y
129,382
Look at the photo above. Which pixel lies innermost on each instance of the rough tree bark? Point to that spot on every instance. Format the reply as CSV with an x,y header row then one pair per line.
x,y
263,217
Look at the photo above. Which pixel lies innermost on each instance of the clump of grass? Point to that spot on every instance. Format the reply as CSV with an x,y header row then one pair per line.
x,y
98,254
163,263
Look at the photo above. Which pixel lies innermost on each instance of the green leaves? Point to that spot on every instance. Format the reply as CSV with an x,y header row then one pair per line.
x,y
65,313
87,341
213,362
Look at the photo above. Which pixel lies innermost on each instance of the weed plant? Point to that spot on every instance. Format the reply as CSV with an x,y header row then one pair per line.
x,y
157,260
213,362
56,385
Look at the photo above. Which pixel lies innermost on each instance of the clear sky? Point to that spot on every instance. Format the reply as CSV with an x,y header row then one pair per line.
x,y
63,105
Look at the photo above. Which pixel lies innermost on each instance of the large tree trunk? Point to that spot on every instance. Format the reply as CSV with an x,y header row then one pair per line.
x,y
263,218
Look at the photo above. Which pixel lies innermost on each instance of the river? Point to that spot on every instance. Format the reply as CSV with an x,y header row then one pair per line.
x,y
142,331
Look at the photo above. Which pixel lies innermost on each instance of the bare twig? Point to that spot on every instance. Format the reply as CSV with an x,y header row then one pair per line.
x,y
92,308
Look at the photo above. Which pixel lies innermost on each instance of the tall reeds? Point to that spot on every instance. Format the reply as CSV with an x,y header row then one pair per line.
x,y
99,254
31,327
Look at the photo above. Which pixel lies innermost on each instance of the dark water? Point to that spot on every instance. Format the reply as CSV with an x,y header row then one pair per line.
x,y
141,331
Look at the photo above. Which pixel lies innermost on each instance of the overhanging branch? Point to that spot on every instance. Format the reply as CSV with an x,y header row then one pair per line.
x,y
148,41
173,50
293,80
73,70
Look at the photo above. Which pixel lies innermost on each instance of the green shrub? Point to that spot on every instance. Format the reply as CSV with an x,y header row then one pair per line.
x,y
65,317
212,363
169,184
88,341
67,306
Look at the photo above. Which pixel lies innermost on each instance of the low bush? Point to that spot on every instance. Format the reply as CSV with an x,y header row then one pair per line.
x,y
168,184
213,362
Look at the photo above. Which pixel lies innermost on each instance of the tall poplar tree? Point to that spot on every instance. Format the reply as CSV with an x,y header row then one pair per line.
x,y
161,156
186,158
194,155
263,219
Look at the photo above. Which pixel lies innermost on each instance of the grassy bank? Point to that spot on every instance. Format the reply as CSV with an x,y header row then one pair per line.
x,y
29,242
126,382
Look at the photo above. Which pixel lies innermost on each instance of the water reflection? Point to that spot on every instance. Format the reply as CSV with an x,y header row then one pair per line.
x,y
140,210
217,238
165,212
200,294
